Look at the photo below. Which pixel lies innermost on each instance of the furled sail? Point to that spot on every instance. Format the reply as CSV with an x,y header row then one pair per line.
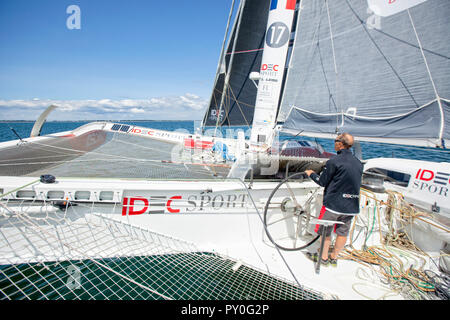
x,y
383,78
233,101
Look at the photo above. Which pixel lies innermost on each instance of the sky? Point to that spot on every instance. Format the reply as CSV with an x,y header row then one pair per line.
x,y
115,59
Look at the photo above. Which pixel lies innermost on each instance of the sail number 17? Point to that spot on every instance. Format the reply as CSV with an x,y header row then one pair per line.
x,y
277,35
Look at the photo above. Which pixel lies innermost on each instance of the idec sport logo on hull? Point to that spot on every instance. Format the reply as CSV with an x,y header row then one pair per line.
x,y
435,182
181,204
139,205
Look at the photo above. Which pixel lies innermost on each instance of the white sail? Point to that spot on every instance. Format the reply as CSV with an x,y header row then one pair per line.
x,y
381,78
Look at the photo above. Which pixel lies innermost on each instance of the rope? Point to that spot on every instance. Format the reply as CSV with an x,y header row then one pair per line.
x,y
407,211
413,282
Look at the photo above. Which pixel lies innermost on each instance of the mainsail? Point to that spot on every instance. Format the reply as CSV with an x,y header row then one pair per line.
x,y
233,101
381,78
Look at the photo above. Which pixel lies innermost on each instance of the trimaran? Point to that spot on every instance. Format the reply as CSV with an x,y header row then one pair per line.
x,y
114,210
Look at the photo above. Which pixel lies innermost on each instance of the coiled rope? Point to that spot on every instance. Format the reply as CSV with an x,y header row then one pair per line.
x,y
416,283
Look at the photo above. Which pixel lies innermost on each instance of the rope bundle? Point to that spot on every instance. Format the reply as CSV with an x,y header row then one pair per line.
x,y
405,279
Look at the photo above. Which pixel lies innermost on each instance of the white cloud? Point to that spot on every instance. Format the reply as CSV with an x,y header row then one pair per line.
x,y
187,106
137,110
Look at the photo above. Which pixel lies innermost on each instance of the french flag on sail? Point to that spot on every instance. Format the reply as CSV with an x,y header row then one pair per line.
x,y
290,4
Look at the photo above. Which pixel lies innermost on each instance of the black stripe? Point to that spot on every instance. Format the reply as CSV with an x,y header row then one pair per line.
x,y
157,204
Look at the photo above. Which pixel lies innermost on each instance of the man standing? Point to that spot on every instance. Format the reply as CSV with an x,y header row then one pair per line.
x,y
341,178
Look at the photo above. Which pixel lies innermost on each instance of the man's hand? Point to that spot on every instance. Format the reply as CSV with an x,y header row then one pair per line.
x,y
308,172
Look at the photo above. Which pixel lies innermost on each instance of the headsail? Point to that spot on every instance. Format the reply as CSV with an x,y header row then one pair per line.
x,y
381,78
247,39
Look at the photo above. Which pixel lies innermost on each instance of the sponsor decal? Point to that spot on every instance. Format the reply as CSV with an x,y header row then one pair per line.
x,y
350,196
136,205
269,67
149,132
143,131
435,182
214,112
269,72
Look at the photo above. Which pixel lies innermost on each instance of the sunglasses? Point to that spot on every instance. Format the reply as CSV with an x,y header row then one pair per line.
x,y
341,141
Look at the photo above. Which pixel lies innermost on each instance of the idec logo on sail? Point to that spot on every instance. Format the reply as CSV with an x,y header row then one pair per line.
x,y
269,67
435,182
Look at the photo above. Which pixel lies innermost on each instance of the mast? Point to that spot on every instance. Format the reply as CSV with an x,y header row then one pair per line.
x,y
278,31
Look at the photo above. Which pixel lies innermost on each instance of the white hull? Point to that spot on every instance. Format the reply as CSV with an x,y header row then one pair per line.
x,y
195,217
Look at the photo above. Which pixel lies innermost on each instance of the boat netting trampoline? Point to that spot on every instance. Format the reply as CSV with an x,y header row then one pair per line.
x,y
110,154
47,253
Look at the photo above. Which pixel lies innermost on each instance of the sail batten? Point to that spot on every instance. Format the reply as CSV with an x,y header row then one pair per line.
x,y
351,69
